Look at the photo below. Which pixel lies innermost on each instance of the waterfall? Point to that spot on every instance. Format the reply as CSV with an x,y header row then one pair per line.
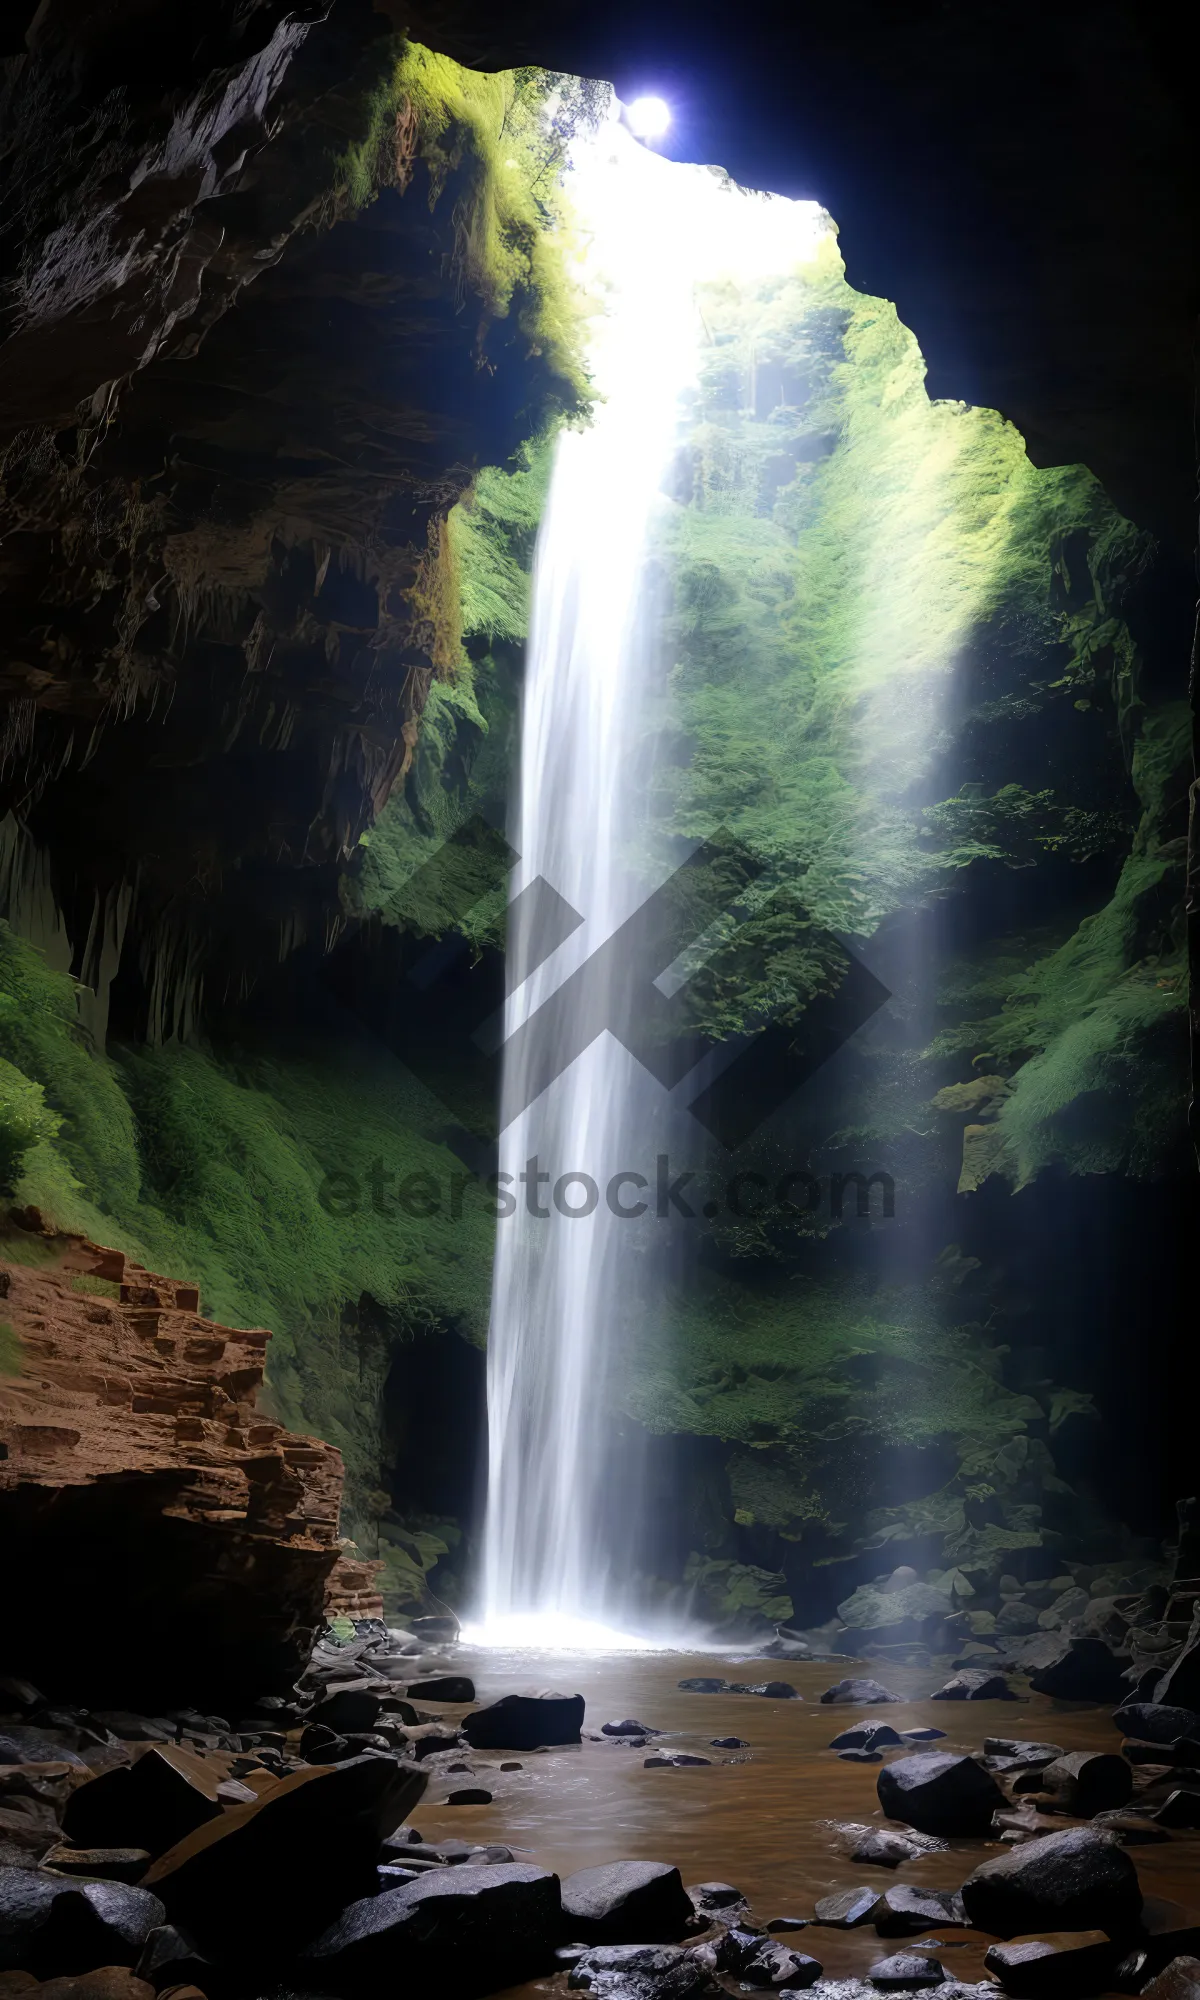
x,y
563,1487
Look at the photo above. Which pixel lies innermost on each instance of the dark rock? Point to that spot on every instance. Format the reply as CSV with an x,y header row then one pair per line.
x,y
867,1736
789,1923
1179,1981
1166,1932
1156,1722
22,1745
1134,1828
975,1684
470,1795
849,1908
939,1793
1180,1685
436,1629
103,1864
459,1931
708,1898
51,1927
1181,1809
699,1685
730,1743
169,1958
779,1966
860,1756
134,1728
735,1949
1078,1880
1066,1966
1078,1670
640,1972
628,1728
447,1687
1183,1754
167,1794
627,1902
1086,1782
1014,1752
308,1848
905,1911
16,1693
1016,1617
905,1972
344,1711
863,1692
525,1722
922,1735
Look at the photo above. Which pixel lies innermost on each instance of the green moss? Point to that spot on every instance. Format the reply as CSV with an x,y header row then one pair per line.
x,y
10,1349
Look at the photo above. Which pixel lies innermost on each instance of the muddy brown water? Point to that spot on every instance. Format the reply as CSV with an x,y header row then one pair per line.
x,y
753,1817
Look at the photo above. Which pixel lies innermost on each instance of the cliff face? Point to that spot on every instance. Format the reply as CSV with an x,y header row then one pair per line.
x,y
144,1496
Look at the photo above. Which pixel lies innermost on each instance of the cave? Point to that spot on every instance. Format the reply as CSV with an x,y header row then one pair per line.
x,y
596,1065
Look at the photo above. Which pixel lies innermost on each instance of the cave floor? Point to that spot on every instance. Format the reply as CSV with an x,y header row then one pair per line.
x,y
755,1817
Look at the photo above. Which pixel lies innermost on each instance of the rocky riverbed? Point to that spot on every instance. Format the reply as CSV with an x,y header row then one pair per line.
x,y
640,1826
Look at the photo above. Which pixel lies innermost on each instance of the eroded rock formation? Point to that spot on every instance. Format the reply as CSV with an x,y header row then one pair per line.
x,y
143,1495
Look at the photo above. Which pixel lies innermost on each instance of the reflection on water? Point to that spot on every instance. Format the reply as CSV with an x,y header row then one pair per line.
x,y
753,1818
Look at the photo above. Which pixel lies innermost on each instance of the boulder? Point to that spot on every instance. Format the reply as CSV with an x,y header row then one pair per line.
x,y
51,1927
1067,1607
1084,1782
346,1710
777,1965
1078,1670
1179,1981
940,1793
1016,1617
1013,1753
848,1908
443,1687
308,1847
974,1684
640,1972
166,1795
170,1959
867,1736
627,1902
710,1899
458,1931
700,1684
857,1692
906,1912
906,1972
525,1722
1156,1721
628,1728
1078,1880
1067,1965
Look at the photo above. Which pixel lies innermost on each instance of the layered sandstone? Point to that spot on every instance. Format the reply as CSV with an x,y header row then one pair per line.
x,y
143,1495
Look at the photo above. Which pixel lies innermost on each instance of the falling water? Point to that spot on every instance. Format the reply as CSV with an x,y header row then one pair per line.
x,y
563,1490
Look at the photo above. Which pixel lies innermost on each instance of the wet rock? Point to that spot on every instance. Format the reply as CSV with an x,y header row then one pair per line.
x,y
922,1735
1018,1753
883,1846
640,1972
459,1931
22,1745
470,1795
849,1908
345,1710
627,1902
905,1911
939,1793
443,1687
860,1756
1180,1809
1156,1721
867,1736
1133,1828
1085,1782
1064,1966
788,1923
1078,1669
167,1794
1073,1881
729,1743
104,1864
1179,1981
1016,1617
699,1684
905,1972
862,1692
170,1959
135,1728
774,1690
525,1722
975,1684
628,1728
777,1965
710,1899
1184,1754
51,1927
664,1759
309,1848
